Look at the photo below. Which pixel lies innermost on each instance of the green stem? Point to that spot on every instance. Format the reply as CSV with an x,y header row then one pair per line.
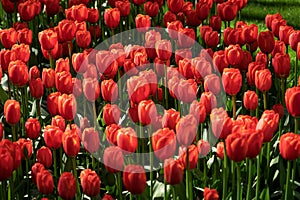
x,y
248,197
173,193
166,86
11,186
130,196
288,174
238,178
55,164
38,108
296,72
234,107
119,184
224,173
233,178
165,190
205,171
268,163
51,59
188,190
258,176
8,87
27,176
13,132
282,90
75,175
265,101
151,164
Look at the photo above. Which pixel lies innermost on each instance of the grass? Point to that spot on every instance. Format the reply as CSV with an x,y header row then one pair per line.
x,y
256,10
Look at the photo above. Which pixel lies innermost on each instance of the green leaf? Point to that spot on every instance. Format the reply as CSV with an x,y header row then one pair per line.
x,y
265,195
3,95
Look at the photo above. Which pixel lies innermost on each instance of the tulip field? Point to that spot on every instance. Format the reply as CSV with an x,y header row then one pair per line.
x,y
150,99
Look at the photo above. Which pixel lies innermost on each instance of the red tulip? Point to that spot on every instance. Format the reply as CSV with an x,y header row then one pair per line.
x,y
236,147
289,146
52,103
181,54
294,39
220,61
52,7
203,147
8,37
221,123
211,39
163,49
138,88
164,143
111,132
127,140
29,9
175,6
191,18
111,114
169,17
285,32
90,182
12,111
186,130
35,170
255,141
234,54
220,150
67,106
252,68
173,28
90,140
250,33
215,22
173,171
32,128
276,23
79,12
147,112
193,156
48,39
6,56
197,109
134,179
281,64
8,6
44,156
278,48
83,39
170,119
210,194
270,17
142,23
24,143
53,136
107,64
63,82
212,84
22,52
250,100
209,101
6,163
186,37
268,124
71,142
109,90
232,81
266,41
18,73
36,88
66,186
292,97
48,77
227,10
124,7
263,80
151,8
113,159
278,108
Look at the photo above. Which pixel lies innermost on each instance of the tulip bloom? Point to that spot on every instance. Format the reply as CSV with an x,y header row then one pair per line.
x,y
227,10
35,170
292,97
18,73
221,123
164,143
263,80
138,88
127,140
250,100
233,54
111,132
197,109
8,37
45,183
134,179
212,84
109,90
186,37
186,130
294,39
210,194
147,112
66,186
282,65
12,111
124,7
163,49
209,101
71,142
173,171
232,81
220,61
111,114
48,39
90,182
203,147
90,140
32,128
289,146
53,136
36,88
268,124
113,159
266,41
236,147
67,29
112,17
6,163
44,156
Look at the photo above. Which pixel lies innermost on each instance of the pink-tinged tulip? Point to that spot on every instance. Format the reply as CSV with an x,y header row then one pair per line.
x,y
268,124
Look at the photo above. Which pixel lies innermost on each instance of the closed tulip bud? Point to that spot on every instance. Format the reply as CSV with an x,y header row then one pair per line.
x,y
191,18
18,73
24,143
278,48
147,112
67,106
111,132
112,17
164,143
22,52
281,64
32,128
250,33
169,17
266,41
48,39
124,7
151,8
12,111
93,15
268,124
62,65
197,109
175,6
255,141
186,37
83,39
71,142
142,23
212,84
53,136
289,146
6,56
203,9
48,77
279,109
8,37
29,9
173,171
63,82
52,103
263,80
203,148
90,182
250,100
44,156
221,123
220,61
193,156
6,164
220,150
170,119
210,194
52,7
80,12
45,182
35,170
211,39
111,114
109,90
284,33
113,159
138,88
66,186
204,29
294,39
36,88
292,96
252,68
234,55
90,140
227,10
236,147
186,129
209,101
215,22
67,29
270,17
275,25
134,179
127,140
232,81
173,28
163,49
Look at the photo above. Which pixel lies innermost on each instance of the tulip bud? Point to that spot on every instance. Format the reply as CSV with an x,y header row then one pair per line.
x,y
32,128
45,182
66,186
12,111
250,100
263,80
186,129
44,156
18,73
289,146
164,143
90,140
53,136
71,142
210,194
134,179
266,41
268,124
127,140
173,171
113,159
112,17
232,81
292,96
90,182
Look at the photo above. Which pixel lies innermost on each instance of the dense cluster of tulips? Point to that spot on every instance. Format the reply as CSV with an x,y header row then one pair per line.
x,y
193,103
